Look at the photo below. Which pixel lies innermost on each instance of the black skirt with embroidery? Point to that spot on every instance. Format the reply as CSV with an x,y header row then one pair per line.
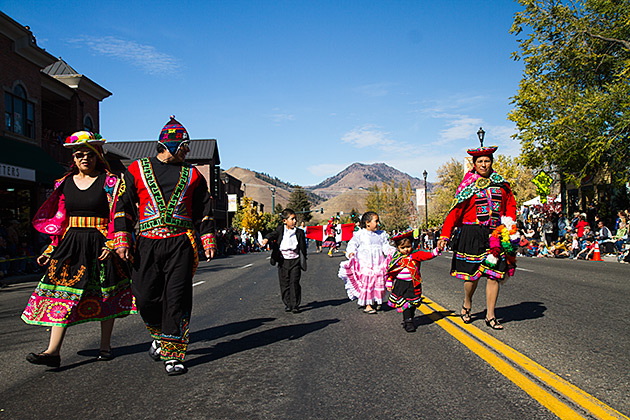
x,y
470,250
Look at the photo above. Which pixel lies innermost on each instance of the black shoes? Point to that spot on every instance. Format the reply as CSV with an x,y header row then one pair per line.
x,y
296,310
44,359
409,326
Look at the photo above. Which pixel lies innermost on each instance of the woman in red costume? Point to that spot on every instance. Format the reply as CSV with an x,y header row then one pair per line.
x,y
484,210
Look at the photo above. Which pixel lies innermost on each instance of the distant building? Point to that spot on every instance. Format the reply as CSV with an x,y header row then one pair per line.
x,y
44,100
204,154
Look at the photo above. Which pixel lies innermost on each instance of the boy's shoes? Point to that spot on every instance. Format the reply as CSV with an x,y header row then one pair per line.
x,y
155,351
174,367
44,359
105,355
409,326
296,310
287,309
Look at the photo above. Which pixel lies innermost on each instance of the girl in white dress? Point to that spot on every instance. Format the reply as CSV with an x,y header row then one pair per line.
x,y
368,254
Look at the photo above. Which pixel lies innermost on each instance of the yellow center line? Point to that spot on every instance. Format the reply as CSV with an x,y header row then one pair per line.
x,y
455,325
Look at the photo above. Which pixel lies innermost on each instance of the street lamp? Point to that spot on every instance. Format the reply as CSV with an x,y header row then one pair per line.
x,y
426,207
273,199
481,134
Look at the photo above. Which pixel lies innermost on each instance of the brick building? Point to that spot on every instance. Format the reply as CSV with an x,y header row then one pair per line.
x,y
44,100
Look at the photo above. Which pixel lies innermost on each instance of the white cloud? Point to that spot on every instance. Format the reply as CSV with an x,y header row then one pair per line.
x,y
367,136
145,57
460,128
327,169
282,117
374,89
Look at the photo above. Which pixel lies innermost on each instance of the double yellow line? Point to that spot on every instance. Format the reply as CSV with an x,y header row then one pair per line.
x,y
550,390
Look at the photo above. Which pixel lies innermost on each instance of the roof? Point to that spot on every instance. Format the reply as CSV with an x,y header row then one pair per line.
x,y
201,150
110,148
58,68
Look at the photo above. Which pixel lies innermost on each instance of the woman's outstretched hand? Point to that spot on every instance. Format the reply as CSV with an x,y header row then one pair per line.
x,y
441,245
43,260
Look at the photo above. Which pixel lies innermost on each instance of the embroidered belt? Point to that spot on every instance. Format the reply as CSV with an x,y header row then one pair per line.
x,y
87,222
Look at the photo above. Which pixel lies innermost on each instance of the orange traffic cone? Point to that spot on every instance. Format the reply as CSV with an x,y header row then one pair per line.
x,y
596,254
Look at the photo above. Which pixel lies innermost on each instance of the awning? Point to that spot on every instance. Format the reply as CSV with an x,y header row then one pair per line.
x,y
19,153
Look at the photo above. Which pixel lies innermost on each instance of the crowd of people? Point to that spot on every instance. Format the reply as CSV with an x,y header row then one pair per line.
x,y
17,253
583,236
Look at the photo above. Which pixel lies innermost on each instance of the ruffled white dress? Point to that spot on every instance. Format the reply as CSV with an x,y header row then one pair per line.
x,y
364,273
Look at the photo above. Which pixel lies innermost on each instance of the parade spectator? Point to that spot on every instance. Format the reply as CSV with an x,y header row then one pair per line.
x,y
563,224
587,251
4,258
575,245
522,245
364,272
289,252
603,233
621,235
84,281
581,224
560,249
543,251
548,231
473,256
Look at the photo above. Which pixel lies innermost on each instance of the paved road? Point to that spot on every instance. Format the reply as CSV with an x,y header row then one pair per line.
x,y
250,360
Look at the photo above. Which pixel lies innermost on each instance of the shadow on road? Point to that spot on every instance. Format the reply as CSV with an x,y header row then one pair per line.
x,y
521,311
317,304
220,331
254,340
426,319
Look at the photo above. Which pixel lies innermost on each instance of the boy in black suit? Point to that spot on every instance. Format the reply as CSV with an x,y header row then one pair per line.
x,y
289,252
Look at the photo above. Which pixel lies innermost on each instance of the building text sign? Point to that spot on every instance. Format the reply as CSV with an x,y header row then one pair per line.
x,y
16,172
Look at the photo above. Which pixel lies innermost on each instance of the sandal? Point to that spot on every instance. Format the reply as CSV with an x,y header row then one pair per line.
x,y
494,324
105,355
369,311
466,315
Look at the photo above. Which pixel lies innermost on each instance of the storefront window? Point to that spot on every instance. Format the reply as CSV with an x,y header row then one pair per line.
x,y
19,113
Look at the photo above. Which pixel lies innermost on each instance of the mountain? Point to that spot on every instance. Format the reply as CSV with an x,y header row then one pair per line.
x,y
361,175
342,192
258,186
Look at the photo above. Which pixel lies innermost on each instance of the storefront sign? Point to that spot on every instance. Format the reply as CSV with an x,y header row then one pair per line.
x,y
232,202
17,172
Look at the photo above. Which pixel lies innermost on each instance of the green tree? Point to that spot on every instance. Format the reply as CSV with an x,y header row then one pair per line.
x,y
270,221
298,201
573,102
354,215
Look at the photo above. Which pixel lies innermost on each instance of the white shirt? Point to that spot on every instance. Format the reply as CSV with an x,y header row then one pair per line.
x,y
289,244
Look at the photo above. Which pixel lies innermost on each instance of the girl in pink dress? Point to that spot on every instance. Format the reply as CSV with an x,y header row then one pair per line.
x,y
368,254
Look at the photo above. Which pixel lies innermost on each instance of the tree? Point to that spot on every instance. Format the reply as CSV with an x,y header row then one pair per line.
x,y
247,217
270,221
298,201
354,215
449,177
518,176
393,203
573,102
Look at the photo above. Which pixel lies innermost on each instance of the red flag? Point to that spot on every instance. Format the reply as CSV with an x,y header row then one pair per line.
x,y
343,232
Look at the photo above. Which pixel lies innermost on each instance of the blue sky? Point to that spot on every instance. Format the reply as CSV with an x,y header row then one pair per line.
x,y
296,89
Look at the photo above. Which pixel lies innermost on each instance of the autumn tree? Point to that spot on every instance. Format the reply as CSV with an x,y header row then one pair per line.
x,y
247,217
517,175
393,203
573,102
298,201
449,177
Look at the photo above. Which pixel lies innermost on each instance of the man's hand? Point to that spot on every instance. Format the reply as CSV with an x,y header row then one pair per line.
x,y
123,253
210,253
105,255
